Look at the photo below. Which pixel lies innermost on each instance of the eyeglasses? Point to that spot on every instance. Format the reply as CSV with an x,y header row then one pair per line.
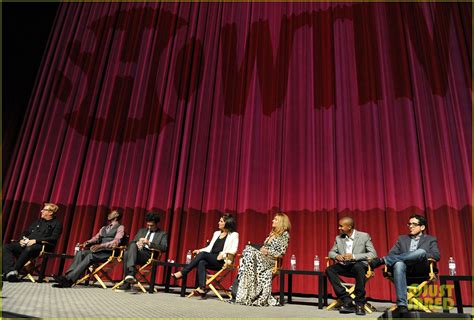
x,y
413,224
47,209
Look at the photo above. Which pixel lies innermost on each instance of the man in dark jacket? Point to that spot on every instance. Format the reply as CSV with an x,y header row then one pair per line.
x,y
139,252
108,237
410,250
44,231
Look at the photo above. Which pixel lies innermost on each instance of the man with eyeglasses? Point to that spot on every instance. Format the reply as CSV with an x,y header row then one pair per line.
x,y
44,231
410,250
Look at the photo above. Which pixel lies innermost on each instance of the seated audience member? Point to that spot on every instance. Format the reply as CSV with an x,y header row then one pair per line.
x,y
224,241
253,285
351,251
138,251
410,250
46,230
109,236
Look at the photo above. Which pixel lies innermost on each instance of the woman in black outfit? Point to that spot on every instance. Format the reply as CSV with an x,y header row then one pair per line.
x,y
224,241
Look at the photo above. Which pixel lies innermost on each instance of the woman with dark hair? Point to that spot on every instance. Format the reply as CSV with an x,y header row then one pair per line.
x,y
224,242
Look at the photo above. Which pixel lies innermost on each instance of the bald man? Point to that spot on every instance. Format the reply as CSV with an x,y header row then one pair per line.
x,y
109,236
350,252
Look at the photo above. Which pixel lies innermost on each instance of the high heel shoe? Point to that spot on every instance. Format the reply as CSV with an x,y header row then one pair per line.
x,y
198,293
174,276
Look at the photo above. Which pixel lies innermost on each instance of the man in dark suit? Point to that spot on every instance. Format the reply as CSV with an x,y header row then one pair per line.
x,y
138,251
108,237
46,231
351,251
410,250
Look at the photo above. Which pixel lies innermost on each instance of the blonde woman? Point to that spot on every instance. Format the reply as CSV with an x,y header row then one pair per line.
x,y
255,273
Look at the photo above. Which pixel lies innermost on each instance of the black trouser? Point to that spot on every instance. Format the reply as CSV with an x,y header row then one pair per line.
x,y
132,257
203,261
353,270
23,254
82,260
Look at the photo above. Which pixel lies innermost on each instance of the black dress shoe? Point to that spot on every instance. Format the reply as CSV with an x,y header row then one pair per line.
x,y
66,283
377,262
59,279
12,276
124,287
360,311
401,309
347,308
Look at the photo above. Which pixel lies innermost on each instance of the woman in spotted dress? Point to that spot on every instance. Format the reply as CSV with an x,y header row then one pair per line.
x,y
255,273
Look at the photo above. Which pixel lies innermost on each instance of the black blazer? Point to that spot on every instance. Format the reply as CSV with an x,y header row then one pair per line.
x,y
427,242
160,240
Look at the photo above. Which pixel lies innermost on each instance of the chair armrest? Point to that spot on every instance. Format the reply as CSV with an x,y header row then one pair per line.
x,y
155,254
369,268
370,273
432,263
329,261
278,264
44,242
229,258
386,274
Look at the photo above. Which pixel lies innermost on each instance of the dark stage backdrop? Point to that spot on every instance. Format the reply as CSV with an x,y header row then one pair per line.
x,y
194,109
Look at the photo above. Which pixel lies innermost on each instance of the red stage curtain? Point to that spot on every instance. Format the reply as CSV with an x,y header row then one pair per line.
x,y
320,110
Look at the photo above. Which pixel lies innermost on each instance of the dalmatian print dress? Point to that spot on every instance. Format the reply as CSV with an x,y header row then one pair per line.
x,y
255,272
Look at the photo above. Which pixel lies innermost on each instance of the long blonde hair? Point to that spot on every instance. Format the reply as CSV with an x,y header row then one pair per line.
x,y
283,224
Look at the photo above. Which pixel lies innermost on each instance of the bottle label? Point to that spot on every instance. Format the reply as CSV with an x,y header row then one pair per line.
x,y
452,265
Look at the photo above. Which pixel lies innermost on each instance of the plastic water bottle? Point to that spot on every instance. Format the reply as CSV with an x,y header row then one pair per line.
x,y
452,266
189,256
293,262
316,263
77,248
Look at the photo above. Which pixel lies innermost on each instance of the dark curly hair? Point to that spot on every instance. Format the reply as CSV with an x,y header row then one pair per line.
x,y
230,224
421,220
152,216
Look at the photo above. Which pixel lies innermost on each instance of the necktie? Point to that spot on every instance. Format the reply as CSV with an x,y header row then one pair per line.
x,y
148,235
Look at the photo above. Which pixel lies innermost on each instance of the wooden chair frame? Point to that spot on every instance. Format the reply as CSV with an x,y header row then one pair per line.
x,y
32,266
414,290
350,287
99,269
143,270
214,281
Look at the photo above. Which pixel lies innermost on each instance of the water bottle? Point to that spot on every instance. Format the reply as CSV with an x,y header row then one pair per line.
x,y
293,262
189,256
77,248
452,266
316,263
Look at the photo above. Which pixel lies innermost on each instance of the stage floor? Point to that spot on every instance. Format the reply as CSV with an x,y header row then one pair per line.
x,y
26,299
